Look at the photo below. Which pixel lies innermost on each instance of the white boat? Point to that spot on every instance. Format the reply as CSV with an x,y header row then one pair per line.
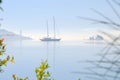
x,y
48,38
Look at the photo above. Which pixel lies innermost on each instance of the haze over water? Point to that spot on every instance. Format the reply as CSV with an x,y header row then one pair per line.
x,y
63,57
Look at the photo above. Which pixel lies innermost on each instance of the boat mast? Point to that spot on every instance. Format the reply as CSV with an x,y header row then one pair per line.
x,y
47,29
54,27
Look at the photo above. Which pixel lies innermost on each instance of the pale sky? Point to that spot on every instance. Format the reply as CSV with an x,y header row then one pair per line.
x,y
30,16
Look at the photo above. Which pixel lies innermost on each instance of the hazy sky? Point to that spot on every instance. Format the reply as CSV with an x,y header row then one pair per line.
x,y
30,16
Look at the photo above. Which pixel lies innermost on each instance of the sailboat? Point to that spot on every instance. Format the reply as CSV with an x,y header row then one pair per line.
x,y
48,38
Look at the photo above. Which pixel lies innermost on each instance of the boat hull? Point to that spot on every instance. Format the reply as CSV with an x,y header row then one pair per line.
x,y
50,39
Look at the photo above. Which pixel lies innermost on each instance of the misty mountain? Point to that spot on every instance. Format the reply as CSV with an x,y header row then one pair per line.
x,y
12,36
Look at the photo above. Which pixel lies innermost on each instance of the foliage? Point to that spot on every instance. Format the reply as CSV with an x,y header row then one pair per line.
x,y
19,78
41,72
0,1
0,6
3,61
108,66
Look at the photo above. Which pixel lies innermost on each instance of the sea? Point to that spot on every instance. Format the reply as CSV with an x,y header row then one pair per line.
x,y
67,59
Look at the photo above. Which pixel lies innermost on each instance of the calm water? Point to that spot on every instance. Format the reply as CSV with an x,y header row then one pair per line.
x,y
63,57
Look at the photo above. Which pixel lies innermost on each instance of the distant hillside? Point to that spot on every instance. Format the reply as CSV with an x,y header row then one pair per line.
x,y
96,37
12,36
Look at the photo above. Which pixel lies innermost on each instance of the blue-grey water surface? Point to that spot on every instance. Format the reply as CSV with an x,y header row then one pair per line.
x,y
64,58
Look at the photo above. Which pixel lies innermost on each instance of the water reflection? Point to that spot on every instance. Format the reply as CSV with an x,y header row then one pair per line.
x,y
51,47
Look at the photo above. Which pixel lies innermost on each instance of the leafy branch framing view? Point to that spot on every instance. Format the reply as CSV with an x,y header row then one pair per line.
x,y
108,66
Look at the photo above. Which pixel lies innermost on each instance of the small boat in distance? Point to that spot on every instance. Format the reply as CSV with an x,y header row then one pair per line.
x,y
50,38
